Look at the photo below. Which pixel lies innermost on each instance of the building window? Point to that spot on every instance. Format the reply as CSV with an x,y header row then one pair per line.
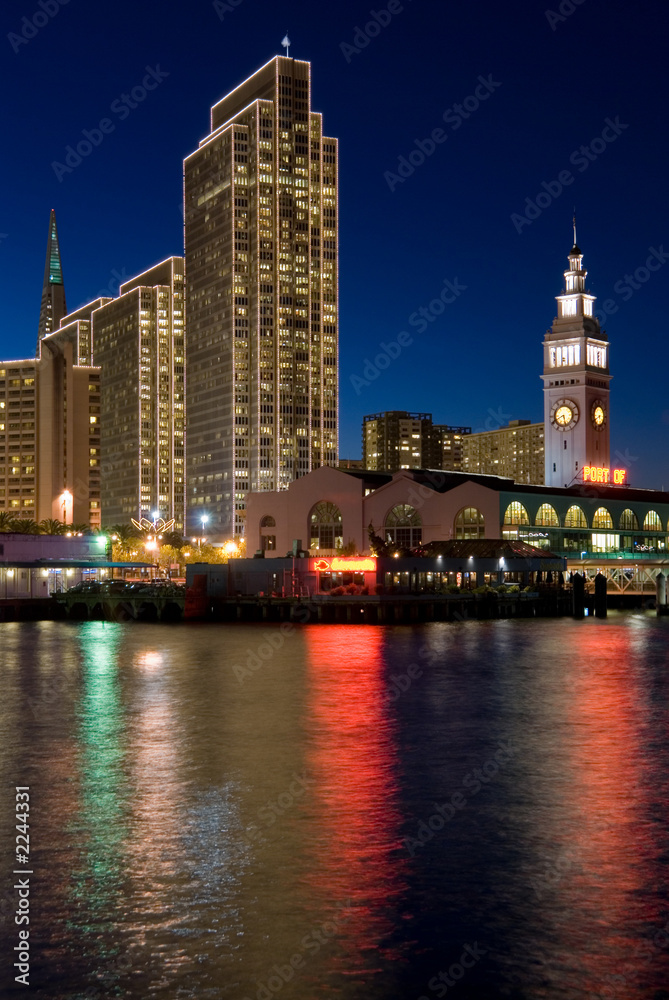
x,y
575,518
547,516
268,521
602,519
325,525
469,523
652,521
629,521
516,514
404,527
268,543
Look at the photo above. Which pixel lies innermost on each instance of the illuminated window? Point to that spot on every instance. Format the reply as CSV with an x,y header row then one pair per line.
x,y
575,518
547,516
469,523
325,525
403,526
652,521
602,519
516,514
629,521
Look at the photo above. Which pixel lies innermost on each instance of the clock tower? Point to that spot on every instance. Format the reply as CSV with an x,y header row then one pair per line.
x,y
576,383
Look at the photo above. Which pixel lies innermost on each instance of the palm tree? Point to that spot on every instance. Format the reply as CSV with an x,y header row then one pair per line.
x,y
52,526
6,521
78,529
25,526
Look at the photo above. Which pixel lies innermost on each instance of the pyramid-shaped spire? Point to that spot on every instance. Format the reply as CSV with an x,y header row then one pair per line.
x,y
53,290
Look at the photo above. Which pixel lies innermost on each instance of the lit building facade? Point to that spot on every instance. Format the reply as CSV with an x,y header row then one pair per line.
x,y
515,451
138,344
397,439
331,508
576,383
261,239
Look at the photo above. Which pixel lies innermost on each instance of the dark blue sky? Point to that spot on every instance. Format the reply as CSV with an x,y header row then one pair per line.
x,y
553,81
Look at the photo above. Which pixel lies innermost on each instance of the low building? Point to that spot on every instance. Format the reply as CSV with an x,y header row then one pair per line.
x,y
36,566
331,509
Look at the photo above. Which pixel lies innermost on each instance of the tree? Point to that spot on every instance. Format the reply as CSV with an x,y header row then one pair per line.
x,y
6,521
25,526
52,526
377,545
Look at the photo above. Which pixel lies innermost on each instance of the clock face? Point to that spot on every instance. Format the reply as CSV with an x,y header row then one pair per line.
x,y
598,415
564,414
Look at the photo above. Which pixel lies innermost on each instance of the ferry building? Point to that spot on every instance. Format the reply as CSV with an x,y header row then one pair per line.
x,y
586,511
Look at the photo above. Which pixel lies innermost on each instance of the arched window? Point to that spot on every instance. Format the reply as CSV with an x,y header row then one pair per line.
x,y
547,516
268,522
404,527
602,519
325,526
575,518
629,521
516,514
469,523
652,521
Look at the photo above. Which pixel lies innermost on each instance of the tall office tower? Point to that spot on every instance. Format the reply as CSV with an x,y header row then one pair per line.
x,y
576,383
515,451
18,440
68,429
53,290
260,215
138,342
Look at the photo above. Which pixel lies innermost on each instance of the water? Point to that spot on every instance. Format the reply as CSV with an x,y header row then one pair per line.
x,y
378,805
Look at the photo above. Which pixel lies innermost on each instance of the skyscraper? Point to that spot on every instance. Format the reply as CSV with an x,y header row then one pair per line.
x,y
53,290
260,213
576,383
138,342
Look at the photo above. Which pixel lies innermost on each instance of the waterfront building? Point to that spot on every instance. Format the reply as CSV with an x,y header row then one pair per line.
x,y
138,344
18,438
576,383
515,451
332,508
397,439
53,306
261,239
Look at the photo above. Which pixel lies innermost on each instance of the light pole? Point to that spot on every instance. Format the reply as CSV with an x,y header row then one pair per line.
x,y
204,519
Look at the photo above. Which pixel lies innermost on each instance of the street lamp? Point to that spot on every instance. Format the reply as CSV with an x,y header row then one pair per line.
x,y
204,518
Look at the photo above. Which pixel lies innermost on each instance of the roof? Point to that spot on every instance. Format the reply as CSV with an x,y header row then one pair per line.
x,y
486,548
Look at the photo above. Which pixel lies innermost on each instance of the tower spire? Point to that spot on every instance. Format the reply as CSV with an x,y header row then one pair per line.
x,y
53,306
575,243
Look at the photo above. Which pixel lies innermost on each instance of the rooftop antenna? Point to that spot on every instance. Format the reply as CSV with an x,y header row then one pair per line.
x,y
286,45
574,220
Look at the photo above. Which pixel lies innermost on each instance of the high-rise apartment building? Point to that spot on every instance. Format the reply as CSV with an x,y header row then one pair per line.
x,y
260,216
515,451
53,306
396,439
138,344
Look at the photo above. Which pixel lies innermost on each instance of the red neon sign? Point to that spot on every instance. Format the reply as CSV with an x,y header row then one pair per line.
x,y
321,565
600,474
353,564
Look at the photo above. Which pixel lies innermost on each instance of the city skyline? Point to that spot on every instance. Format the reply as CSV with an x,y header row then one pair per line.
x,y
484,205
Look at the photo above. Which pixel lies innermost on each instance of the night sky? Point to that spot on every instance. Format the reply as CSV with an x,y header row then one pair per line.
x,y
552,82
